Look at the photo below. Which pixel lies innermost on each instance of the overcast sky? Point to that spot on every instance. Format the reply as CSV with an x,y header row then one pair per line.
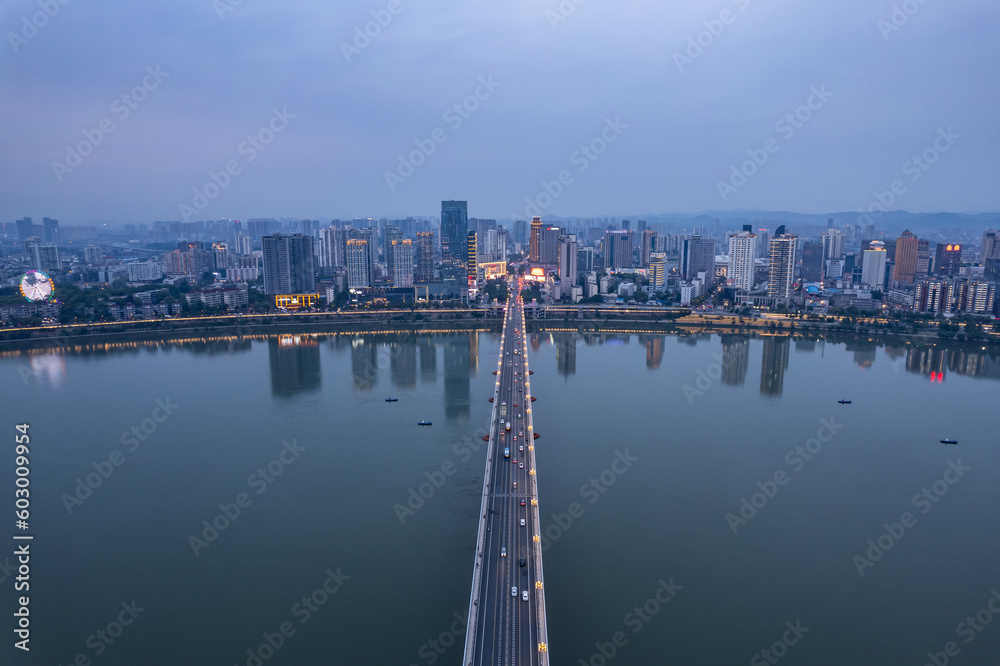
x,y
671,120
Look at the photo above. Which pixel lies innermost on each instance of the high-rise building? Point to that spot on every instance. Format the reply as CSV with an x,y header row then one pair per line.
x,y
812,262
873,265
906,258
658,271
50,229
781,272
454,239
584,260
535,245
648,245
359,265
742,253
244,246
289,264
697,255
617,250
220,255
92,254
976,297
549,251
947,258
390,234
332,246
833,244
472,256
567,265
25,229
425,257
990,249
402,260
43,256
934,296
923,259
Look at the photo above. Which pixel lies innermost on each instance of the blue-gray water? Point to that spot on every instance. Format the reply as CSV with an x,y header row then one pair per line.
x,y
693,423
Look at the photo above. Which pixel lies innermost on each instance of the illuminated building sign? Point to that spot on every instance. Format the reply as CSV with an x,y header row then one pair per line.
x,y
294,301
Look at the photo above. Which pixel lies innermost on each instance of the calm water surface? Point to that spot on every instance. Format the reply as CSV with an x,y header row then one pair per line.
x,y
665,463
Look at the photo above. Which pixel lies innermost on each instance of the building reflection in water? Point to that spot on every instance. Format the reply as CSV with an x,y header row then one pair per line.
x,y
428,359
474,351
457,381
295,366
805,345
654,350
364,363
864,353
735,359
565,353
773,364
49,368
403,364
934,362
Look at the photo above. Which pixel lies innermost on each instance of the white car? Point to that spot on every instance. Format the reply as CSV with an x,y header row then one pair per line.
x,y
503,552
524,595
522,522
513,591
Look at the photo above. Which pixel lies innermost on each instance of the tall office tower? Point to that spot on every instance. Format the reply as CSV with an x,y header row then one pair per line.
x,y
289,264
332,243
220,255
812,262
906,258
359,263
742,252
25,229
947,258
50,228
833,244
697,254
617,250
567,264
521,231
584,260
873,265
781,274
390,234
649,238
535,246
923,259
454,239
658,271
502,238
425,256
471,257
402,262
626,225
549,252
991,245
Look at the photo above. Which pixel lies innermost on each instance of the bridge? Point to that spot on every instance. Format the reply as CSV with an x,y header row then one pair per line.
x,y
507,607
